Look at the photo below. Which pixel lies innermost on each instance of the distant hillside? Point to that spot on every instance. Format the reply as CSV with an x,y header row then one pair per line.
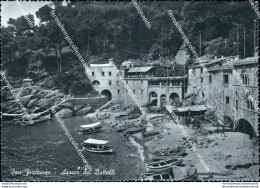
x,y
102,30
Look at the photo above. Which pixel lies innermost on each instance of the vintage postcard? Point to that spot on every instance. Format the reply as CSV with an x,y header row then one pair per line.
x,y
129,91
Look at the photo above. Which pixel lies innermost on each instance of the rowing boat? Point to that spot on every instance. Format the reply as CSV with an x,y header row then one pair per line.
x,y
97,146
90,128
167,153
162,165
134,130
150,133
175,173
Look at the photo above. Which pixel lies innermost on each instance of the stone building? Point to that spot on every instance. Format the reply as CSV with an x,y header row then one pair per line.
x,y
222,90
148,89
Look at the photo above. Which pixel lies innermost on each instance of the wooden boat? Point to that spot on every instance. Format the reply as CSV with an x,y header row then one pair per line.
x,y
90,128
163,165
166,153
133,116
104,116
10,117
150,133
121,116
175,173
35,119
97,146
134,130
121,129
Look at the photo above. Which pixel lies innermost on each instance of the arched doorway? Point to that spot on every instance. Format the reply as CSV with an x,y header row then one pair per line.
x,y
245,127
175,100
95,83
228,121
153,98
163,100
107,93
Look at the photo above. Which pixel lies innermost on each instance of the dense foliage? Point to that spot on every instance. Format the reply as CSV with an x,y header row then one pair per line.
x,y
115,29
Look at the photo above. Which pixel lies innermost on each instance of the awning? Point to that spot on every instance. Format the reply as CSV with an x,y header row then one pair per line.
x,y
140,69
90,125
195,108
94,141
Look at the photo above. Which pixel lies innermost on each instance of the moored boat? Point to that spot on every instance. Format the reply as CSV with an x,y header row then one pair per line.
x,y
97,146
35,119
90,128
103,116
150,133
166,153
121,129
133,116
10,117
134,130
175,173
162,165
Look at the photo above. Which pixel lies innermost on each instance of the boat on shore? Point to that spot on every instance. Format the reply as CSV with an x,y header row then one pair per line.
x,y
150,133
167,153
121,129
35,119
135,130
175,173
90,128
121,117
103,116
10,117
163,165
97,146
133,116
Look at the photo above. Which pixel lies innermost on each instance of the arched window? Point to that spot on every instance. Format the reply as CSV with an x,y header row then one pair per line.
x,y
245,77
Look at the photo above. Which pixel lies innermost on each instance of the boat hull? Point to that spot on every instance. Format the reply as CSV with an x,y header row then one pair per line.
x,y
166,156
151,168
99,151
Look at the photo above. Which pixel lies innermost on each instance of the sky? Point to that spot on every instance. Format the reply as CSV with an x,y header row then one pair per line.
x,y
9,9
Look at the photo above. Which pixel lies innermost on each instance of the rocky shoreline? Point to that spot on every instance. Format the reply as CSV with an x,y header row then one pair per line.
x,y
37,100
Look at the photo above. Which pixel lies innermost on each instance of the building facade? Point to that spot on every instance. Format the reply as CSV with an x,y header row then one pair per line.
x,y
223,91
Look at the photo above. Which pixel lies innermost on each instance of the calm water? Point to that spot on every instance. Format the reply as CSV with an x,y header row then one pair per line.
x,y
45,147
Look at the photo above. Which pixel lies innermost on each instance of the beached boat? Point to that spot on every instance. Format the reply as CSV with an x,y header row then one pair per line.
x,y
150,133
121,129
97,146
121,116
134,130
90,128
10,117
166,153
103,116
24,121
175,173
133,116
163,165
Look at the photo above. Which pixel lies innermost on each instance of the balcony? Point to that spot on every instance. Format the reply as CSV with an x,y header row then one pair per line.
x,y
138,76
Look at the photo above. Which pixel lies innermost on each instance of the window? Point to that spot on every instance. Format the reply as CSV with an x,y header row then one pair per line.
x,y
201,70
109,82
193,71
93,74
103,73
225,79
201,80
134,91
109,73
227,100
236,104
210,78
245,77
117,82
126,82
118,91
142,92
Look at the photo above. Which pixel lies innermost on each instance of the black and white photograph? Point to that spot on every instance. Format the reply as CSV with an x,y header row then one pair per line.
x,y
147,91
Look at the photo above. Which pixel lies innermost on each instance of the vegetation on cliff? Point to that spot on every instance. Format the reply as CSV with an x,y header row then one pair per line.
x,y
115,29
